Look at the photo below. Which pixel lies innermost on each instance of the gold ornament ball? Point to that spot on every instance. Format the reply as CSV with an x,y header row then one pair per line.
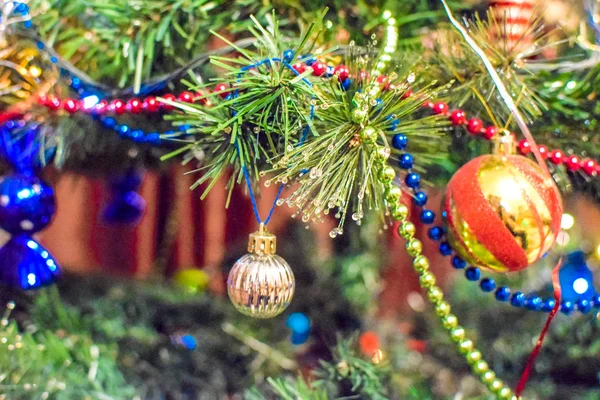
x,y
503,213
261,286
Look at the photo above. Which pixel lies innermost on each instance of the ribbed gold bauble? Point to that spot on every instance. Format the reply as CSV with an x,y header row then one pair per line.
x,y
261,284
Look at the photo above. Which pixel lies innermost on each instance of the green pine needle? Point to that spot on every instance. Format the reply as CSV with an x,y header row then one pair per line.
x,y
337,171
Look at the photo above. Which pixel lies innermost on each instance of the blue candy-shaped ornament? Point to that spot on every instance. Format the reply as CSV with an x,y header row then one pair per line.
x,y
126,206
27,205
300,326
576,279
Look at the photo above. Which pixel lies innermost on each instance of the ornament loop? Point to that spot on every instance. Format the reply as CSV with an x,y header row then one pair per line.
x,y
504,144
262,242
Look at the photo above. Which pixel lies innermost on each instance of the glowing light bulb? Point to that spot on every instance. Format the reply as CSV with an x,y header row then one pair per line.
x,y
580,286
90,101
567,221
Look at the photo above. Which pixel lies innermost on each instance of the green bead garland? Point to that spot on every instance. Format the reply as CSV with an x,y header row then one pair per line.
x,y
435,295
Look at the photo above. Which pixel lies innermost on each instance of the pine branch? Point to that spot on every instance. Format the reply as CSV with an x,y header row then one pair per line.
x,y
43,364
335,169
266,105
366,379
452,62
126,42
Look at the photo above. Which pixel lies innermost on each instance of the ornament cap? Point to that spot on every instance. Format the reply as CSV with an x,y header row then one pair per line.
x,y
262,242
504,144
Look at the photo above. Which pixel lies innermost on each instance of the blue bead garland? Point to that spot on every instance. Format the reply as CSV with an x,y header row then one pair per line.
x,y
412,180
346,84
487,284
420,199
457,262
399,141
533,303
503,293
584,306
445,249
138,135
517,299
548,305
473,273
288,56
427,216
435,233
406,161
567,307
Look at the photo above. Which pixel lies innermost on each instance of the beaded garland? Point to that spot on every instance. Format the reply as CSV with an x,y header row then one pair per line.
x,y
399,211
529,301
427,280
151,104
474,126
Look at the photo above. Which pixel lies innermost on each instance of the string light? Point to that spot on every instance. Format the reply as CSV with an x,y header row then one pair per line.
x,y
567,221
580,285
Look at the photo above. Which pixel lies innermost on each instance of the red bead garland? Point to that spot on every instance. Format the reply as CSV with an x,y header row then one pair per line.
x,y
300,67
590,166
186,97
440,108
169,97
490,132
118,106
319,69
71,106
573,163
150,104
457,117
474,126
341,71
135,106
524,147
556,157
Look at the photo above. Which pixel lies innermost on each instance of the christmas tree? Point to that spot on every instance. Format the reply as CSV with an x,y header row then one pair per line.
x,y
385,144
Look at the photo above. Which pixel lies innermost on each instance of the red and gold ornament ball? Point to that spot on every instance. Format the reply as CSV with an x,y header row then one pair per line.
x,y
503,212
